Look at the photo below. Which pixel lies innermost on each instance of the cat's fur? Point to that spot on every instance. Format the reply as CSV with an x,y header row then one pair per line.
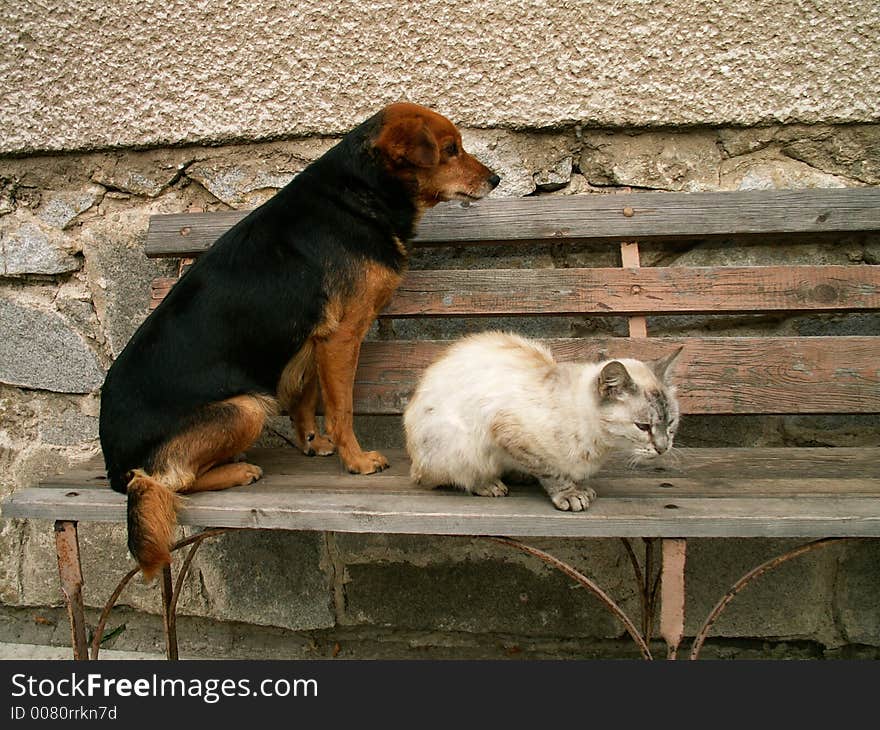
x,y
497,403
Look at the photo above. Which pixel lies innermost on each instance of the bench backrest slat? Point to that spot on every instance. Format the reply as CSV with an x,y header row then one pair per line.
x,y
636,216
715,375
496,292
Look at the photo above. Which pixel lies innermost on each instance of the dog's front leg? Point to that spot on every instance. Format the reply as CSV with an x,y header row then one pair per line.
x,y
337,359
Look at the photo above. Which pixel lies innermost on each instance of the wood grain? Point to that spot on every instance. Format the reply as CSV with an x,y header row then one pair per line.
x,y
710,472
453,513
715,375
810,492
629,259
588,217
627,291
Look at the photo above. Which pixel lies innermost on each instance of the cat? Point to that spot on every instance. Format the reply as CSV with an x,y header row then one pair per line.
x,y
496,403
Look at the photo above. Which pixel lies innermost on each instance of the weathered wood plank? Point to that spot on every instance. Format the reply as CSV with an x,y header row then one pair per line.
x,y
589,217
712,472
704,493
605,483
454,513
715,375
630,259
630,291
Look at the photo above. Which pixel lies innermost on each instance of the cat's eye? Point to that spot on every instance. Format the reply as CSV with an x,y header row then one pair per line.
x,y
646,427
451,149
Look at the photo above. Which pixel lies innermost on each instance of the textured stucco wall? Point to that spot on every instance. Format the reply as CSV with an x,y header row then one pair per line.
x,y
78,75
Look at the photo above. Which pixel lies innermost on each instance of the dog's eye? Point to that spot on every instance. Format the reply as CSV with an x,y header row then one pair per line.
x,y
451,149
646,427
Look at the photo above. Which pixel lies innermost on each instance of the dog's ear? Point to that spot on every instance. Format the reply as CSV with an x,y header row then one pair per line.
x,y
408,141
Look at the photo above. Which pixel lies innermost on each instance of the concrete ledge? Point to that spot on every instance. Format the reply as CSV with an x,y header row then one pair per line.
x,y
39,651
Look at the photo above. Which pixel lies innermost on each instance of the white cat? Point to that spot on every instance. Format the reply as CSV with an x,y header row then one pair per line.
x,y
496,403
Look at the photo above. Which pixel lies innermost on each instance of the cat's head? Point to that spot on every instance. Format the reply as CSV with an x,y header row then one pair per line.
x,y
638,406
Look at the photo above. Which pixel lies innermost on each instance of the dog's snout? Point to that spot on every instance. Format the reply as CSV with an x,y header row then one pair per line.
x,y
494,180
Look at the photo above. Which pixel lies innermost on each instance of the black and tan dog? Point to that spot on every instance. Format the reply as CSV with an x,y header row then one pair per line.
x,y
277,306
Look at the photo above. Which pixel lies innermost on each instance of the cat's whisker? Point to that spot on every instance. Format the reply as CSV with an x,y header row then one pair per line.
x,y
673,457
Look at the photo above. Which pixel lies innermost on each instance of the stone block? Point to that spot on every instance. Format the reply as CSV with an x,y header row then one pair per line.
x,y
38,565
858,592
69,427
737,141
697,431
726,252
119,273
61,208
830,430
500,152
793,601
849,323
759,171
266,578
33,419
682,161
262,578
29,246
554,177
248,177
472,585
40,350
851,151
238,186
11,537
148,173
105,560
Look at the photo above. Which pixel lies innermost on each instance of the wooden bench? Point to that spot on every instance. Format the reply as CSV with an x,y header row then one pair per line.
x,y
819,494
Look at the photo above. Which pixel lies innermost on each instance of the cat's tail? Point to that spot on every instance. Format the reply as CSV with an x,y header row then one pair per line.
x,y
152,516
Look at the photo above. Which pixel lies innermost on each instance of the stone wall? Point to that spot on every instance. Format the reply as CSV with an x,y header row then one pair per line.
x,y
75,284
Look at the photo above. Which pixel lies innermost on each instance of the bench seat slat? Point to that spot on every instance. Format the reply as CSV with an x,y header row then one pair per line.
x,y
834,496
715,375
459,514
498,292
820,470
633,216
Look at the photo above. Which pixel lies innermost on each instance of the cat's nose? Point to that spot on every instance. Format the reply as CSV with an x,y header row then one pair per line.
x,y
661,445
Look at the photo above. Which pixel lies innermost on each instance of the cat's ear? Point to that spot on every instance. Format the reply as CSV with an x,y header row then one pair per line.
x,y
614,380
664,365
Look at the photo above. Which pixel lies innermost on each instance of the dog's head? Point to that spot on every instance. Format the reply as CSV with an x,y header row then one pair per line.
x,y
421,146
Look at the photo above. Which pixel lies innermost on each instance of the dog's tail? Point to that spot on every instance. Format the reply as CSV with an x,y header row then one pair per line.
x,y
152,516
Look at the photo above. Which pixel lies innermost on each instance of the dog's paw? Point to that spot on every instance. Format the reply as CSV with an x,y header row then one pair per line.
x,y
574,499
317,445
495,489
369,462
249,473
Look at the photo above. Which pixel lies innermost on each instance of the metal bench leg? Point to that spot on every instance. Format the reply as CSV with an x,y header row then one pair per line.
x,y
70,573
672,595
168,614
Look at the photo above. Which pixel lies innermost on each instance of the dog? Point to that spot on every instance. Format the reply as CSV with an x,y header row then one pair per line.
x,y
277,308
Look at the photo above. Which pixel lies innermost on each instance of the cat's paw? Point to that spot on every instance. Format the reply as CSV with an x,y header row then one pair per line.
x,y
574,499
495,489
